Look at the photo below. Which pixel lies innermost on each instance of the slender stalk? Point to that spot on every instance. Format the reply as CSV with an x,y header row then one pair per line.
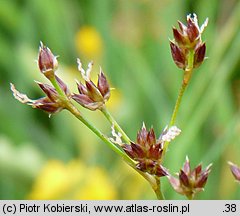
x,y
186,79
111,119
69,106
178,102
78,115
154,181
158,190
57,87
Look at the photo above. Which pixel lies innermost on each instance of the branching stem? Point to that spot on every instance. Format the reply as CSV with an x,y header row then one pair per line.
x,y
111,119
70,107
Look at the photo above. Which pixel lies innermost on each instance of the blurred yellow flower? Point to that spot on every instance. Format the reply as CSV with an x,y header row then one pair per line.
x,y
72,181
89,42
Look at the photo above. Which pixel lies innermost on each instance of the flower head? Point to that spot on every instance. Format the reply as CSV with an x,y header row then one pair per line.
x,y
186,39
92,96
235,171
147,150
47,62
190,182
50,103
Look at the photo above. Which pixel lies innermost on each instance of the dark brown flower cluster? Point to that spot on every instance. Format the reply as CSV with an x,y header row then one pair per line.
x,y
147,150
190,182
51,103
92,96
186,40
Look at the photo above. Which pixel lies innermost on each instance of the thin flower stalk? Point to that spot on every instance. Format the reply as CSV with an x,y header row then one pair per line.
x,y
113,122
70,107
188,52
146,154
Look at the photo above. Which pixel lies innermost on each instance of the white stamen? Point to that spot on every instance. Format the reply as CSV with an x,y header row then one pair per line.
x,y
19,96
41,45
171,133
143,125
204,25
195,19
85,74
117,137
89,69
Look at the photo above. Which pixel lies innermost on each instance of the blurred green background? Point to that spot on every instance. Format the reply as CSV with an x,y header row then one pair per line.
x,y
57,157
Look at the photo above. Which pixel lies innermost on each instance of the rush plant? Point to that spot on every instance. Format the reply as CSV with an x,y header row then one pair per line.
x,y
146,154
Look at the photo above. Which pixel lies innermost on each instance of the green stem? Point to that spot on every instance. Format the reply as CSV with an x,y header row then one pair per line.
x,y
78,115
57,87
69,106
110,118
186,79
154,182
158,190
177,105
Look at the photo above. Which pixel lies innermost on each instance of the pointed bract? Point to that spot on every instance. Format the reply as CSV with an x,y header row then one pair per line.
x,y
178,56
235,171
183,178
82,89
93,92
49,103
49,91
186,166
103,85
175,183
192,30
63,86
47,62
182,27
199,55
179,38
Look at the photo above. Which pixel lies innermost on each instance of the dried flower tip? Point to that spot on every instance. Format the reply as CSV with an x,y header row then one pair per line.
x,y
171,133
193,18
50,103
47,62
85,74
116,137
147,152
20,96
204,25
235,170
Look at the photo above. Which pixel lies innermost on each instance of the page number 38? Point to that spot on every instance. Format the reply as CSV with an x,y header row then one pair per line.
x,y
230,208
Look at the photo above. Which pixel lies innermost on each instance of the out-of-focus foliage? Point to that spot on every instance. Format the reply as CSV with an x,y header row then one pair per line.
x,y
57,157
